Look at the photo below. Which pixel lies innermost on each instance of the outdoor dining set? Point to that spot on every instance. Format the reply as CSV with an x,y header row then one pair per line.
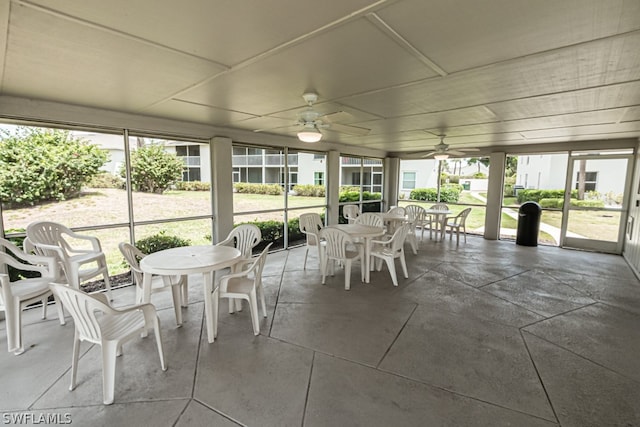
x,y
53,263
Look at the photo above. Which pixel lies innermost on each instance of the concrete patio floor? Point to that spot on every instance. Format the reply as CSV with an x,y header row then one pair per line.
x,y
485,334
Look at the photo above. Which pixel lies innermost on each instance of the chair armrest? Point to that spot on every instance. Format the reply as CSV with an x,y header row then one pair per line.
x,y
95,243
226,242
102,298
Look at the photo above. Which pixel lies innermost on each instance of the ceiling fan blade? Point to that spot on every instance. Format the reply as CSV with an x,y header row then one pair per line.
x,y
338,116
429,154
284,128
456,152
469,149
349,130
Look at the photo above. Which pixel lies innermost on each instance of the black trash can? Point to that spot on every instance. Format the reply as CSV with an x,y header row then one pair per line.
x,y
528,224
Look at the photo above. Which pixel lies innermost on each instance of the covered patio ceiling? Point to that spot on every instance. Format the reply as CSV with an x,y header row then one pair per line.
x,y
487,74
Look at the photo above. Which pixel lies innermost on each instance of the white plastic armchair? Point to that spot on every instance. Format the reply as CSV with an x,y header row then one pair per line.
x,y
389,250
247,285
177,284
415,218
80,256
338,248
350,212
15,296
310,225
98,323
455,223
244,237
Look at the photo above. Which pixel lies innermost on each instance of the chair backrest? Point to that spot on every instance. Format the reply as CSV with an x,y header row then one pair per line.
x,y
12,256
337,241
351,212
439,207
246,237
414,213
49,233
133,256
310,225
397,210
82,307
462,216
370,218
398,238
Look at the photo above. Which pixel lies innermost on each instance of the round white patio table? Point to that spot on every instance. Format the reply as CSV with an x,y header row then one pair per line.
x,y
366,233
441,217
189,260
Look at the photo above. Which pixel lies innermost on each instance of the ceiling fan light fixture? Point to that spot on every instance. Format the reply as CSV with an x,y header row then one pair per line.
x,y
309,136
441,156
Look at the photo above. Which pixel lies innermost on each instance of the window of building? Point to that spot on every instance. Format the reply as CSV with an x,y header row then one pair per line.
x,y
590,180
318,178
408,180
190,155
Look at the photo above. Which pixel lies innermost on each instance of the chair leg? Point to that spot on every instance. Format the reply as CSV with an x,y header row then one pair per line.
x,y
323,268
60,310
253,304
403,263
44,307
464,230
414,244
109,349
107,282
74,361
306,252
156,332
457,235
14,325
392,270
260,291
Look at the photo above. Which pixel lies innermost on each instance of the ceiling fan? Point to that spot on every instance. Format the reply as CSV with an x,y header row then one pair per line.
x,y
442,151
312,122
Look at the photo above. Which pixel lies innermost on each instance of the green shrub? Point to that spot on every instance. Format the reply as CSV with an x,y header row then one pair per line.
x,y
39,165
448,194
251,188
159,242
106,180
192,186
551,203
348,188
309,190
153,170
537,195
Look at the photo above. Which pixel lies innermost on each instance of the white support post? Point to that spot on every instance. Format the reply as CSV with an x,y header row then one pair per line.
x,y
222,189
333,187
391,181
494,196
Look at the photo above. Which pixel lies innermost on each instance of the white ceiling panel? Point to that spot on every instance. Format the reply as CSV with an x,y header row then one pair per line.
x,y
108,70
333,64
228,32
485,73
459,36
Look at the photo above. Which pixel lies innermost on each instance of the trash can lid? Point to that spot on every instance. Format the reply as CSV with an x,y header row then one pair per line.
x,y
530,207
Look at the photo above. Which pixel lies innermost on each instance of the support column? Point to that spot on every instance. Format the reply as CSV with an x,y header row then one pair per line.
x,y
222,188
391,177
494,196
333,186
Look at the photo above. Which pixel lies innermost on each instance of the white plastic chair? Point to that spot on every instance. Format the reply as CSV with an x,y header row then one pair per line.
x,y
244,237
397,210
456,223
350,212
433,219
177,284
72,250
15,296
370,218
389,250
393,225
338,248
310,225
98,323
247,285
415,218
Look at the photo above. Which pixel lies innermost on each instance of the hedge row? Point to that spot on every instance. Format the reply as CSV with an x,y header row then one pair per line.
x,y
250,188
309,190
192,186
558,203
537,195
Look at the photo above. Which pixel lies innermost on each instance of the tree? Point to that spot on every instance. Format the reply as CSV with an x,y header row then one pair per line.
x,y
38,164
153,169
478,161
